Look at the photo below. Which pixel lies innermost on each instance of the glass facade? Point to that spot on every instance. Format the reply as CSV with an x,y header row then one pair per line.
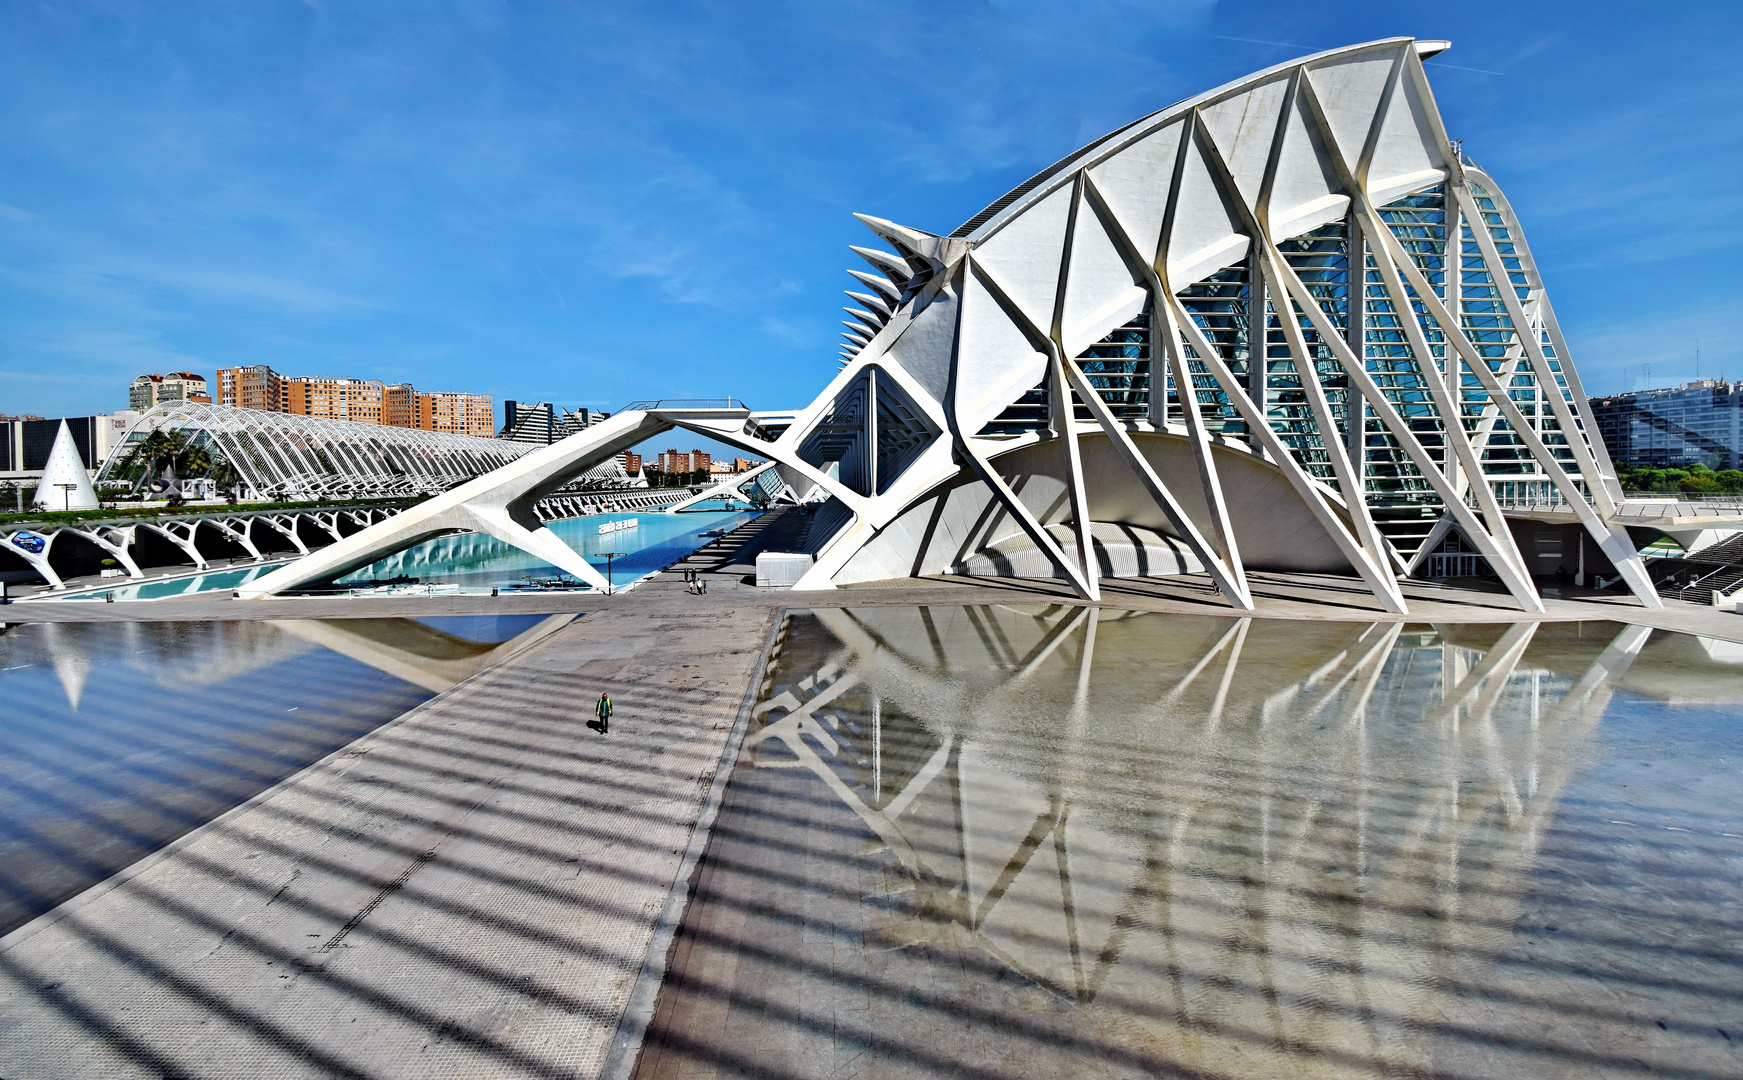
x,y
1222,305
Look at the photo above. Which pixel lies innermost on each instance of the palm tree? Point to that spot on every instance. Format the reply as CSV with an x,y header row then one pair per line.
x,y
164,457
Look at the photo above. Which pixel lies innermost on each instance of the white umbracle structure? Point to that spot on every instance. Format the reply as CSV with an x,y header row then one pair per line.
x,y
286,456
1261,315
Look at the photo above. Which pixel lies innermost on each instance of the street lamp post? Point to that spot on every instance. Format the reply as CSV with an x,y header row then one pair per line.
x,y
608,556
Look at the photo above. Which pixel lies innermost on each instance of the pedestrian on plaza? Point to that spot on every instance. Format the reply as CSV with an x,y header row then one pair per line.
x,y
602,710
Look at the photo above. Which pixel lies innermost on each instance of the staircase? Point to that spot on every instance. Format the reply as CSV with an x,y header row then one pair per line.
x,y
1695,577
1724,552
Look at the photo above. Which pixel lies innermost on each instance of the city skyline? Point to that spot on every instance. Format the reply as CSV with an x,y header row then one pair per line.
x,y
521,195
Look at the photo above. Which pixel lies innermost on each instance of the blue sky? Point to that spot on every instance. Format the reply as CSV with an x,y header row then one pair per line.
x,y
594,203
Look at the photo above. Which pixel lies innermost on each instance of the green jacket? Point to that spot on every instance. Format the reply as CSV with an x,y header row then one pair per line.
x,y
602,709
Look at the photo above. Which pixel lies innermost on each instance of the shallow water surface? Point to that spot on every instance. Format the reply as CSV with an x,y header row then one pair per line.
x,y
479,561
1057,842
117,738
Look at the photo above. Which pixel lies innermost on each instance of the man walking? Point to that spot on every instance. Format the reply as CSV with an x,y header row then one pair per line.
x,y
601,709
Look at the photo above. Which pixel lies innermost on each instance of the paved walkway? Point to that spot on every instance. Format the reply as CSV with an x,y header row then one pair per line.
x,y
470,891
473,890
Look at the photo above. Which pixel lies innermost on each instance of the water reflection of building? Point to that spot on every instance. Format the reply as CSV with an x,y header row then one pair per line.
x,y
211,653
415,652
1241,847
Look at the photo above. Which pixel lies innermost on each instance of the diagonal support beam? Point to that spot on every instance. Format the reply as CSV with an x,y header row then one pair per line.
x,y
1059,399
1611,539
1233,585
1081,580
1225,555
1312,494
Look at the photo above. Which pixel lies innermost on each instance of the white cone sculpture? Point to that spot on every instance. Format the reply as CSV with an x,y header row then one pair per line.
x,y
65,484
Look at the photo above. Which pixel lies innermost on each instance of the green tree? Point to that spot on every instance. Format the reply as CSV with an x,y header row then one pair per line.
x,y
150,458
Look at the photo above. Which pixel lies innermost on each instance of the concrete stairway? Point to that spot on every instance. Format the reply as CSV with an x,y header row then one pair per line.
x,y
1695,577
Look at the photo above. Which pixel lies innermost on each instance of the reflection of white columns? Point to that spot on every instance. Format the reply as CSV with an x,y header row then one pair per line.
x,y
397,654
1011,859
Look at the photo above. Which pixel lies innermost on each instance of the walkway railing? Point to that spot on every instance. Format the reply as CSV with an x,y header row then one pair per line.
x,y
685,403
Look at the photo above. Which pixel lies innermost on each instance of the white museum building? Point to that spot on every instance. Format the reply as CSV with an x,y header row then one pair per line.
x,y
1284,325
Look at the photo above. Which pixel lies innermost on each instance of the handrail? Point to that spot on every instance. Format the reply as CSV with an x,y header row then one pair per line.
x,y
685,403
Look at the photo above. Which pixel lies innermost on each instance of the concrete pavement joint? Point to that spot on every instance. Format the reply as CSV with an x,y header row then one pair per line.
x,y
638,1013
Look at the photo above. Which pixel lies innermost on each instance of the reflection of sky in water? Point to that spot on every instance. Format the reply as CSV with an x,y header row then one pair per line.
x,y
476,559
119,737
1051,842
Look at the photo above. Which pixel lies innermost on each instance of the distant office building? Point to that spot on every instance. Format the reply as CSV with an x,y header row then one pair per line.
x,y
542,422
254,387
534,422
632,463
744,464
25,441
148,390
1699,423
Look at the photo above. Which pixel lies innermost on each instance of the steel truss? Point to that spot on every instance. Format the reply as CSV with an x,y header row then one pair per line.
x,y
291,457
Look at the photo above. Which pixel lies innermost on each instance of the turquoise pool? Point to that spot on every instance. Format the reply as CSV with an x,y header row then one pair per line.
x,y
474,560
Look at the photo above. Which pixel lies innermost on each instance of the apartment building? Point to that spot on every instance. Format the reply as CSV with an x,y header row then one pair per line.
x,y
253,387
543,422
364,401
1676,426
461,414
399,405
148,390
361,401
673,462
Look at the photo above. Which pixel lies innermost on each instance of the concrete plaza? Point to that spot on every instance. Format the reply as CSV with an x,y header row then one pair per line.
x,y
484,887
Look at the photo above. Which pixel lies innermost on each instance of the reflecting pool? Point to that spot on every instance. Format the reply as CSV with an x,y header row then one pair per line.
x,y
175,586
474,560
1052,842
117,738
